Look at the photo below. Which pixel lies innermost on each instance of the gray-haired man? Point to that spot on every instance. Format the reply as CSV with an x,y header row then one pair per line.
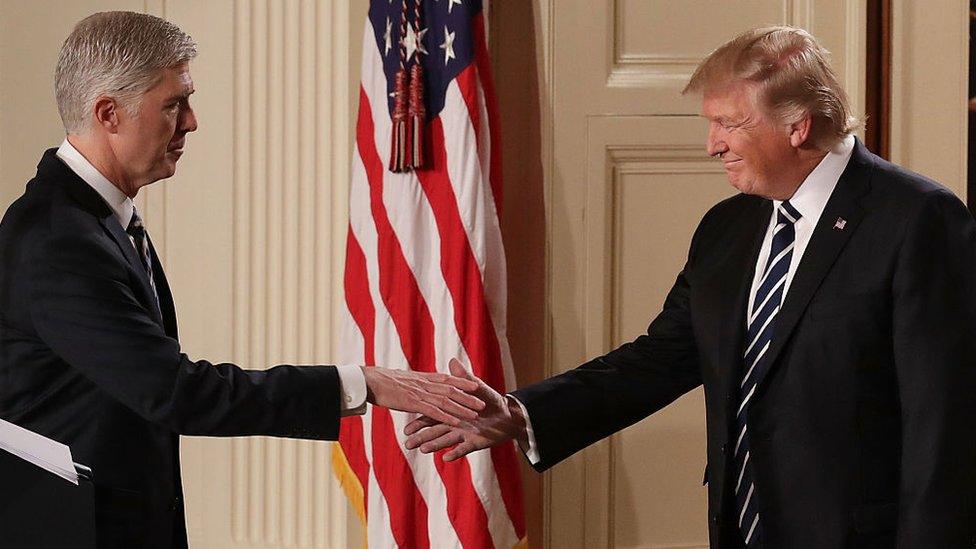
x,y
89,354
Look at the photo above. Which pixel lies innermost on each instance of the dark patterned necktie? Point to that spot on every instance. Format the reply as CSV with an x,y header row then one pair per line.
x,y
769,298
137,231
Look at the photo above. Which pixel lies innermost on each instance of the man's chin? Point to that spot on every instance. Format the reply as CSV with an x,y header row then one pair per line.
x,y
739,184
167,170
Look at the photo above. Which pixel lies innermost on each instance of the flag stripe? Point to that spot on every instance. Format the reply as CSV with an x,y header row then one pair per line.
x,y
393,353
396,481
361,308
415,327
471,313
426,281
379,522
412,219
483,62
378,530
465,179
390,355
470,92
408,508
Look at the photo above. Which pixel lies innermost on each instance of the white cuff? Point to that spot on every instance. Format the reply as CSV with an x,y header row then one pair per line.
x,y
352,390
532,452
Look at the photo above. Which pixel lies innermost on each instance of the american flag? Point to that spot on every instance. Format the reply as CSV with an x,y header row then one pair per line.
x,y
425,280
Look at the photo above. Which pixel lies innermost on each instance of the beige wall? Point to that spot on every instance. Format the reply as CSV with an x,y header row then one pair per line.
x,y
930,88
31,34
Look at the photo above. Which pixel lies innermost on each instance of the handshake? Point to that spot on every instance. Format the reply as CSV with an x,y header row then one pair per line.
x,y
457,410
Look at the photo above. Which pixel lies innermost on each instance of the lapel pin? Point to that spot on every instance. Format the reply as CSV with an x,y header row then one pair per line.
x,y
840,223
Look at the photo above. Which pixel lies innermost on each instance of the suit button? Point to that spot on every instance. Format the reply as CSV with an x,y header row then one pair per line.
x,y
725,448
175,505
715,520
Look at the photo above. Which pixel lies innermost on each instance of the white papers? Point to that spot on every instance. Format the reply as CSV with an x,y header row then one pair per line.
x,y
41,451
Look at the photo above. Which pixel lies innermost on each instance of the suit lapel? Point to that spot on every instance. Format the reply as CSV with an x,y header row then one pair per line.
x,y
52,168
825,245
731,293
111,225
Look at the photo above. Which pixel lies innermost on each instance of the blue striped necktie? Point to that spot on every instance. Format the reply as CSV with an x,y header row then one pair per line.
x,y
137,231
769,298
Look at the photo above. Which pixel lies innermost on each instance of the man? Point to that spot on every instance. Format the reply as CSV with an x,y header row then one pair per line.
x,y
89,354
829,311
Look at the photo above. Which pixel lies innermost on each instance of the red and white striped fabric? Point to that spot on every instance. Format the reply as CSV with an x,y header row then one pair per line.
x,y
425,282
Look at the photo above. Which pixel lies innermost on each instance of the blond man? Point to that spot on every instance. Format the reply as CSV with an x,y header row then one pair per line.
x,y
829,311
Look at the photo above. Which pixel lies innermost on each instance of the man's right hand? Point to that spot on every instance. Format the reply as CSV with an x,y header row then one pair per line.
x,y
443,397
500,420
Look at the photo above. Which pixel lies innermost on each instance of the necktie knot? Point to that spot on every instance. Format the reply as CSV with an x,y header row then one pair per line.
x,y
788,214
136,229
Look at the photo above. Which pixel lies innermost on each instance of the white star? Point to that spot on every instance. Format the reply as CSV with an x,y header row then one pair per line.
x,y
448,45
450,4
415,41
388,37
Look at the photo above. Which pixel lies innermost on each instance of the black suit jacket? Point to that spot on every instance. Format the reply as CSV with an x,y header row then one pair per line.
x,y
863,429
87,359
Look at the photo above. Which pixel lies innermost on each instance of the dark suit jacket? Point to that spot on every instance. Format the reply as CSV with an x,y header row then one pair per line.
x,y
87,359
863,429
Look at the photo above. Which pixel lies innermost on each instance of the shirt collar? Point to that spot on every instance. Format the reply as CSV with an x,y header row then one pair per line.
x,y
812,195
121,204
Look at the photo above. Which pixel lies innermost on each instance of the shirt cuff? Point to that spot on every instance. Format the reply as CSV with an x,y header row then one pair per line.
x,y
532,452
352,390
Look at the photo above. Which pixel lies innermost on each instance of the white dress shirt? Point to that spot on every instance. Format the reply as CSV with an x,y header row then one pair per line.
x,y
352,381
809,199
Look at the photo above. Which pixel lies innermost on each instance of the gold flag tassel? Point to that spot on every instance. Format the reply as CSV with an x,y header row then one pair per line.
x,y
417,107
400,138
417,114
399,144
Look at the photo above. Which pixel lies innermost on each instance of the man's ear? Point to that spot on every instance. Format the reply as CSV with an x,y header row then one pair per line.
x,y
106,112
800,131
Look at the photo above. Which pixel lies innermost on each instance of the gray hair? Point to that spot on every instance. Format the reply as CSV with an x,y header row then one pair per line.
x,y
118,54
793,75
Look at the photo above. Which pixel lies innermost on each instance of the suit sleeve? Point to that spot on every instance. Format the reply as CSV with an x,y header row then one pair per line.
x,y
83,307
934,333
575,409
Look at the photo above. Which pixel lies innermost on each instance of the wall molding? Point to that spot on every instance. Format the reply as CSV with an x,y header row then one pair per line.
x,y
608,162
291,173
638,70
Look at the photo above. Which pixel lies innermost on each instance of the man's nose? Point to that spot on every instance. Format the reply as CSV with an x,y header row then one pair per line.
x,y
714,144
189,120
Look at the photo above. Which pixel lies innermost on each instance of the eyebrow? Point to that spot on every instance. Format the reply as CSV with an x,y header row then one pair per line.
x,y
184,95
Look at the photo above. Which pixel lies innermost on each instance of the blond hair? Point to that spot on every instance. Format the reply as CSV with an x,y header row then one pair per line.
x,y
118,54
792,76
